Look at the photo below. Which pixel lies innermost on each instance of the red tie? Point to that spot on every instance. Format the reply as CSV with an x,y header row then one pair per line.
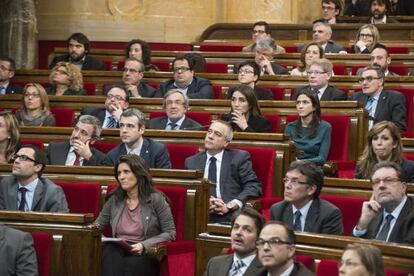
x,y
77,160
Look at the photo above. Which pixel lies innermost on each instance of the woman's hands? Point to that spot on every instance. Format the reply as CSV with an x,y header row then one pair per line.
x,y
239,119
137,249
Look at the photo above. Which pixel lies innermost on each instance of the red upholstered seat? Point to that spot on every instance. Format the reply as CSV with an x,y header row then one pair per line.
x,y
266,204
401,69
120,65
42,245
409,156
409,103
350,208
398,50
291,49
221,48
202,118
346,169
82,197
393,272
355,68
163,65
38,143
103,146
216,67
163,46
280,93
90,88
307,261
107,65
327,267
64,116
340,70
217,91
274,121
178,154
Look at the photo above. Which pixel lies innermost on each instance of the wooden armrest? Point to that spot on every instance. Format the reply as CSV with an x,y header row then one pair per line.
x,y
157,252
330,168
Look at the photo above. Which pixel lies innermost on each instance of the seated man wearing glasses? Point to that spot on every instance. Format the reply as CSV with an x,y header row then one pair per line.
x,y
276,251
175,104
117,100
261,29
186,81
7,71
132,76
319,74
381,105
302,208
26,190
389,213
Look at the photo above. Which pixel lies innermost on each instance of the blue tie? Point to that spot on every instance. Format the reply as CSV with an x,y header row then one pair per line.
x,y
236,269
111,123
2,90
23,191
369,104
383,234
298,225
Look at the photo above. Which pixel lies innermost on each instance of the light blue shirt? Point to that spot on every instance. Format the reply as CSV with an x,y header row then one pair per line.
x,y
137,150
178,123
373,109
304,213
31,187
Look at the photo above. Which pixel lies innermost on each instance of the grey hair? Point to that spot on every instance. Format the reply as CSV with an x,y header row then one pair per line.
x,y
141,64
130,112
173,91
325,64
267,42
95,122
229,133
326,25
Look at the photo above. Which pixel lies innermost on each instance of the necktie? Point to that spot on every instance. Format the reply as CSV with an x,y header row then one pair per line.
x,y
23,191
2,90
382,235
369,104
77,159
111,123
298,225
172,125
212,175
236,268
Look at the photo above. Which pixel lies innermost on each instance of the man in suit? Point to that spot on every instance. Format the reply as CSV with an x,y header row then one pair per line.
x,y
261,29
322,33
175,104
302,208
78,54
246,226
331,9
186,81
230,169
264,57
17,253
319,74
132,76
7,70
381,105
131,130
78,151
381,58
276,251
117,100
389,214
26,189
379,10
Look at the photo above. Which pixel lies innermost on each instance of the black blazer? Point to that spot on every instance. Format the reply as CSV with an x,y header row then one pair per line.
x,y
261,93
161,123
58,152
407,167
90,62
97,112
390,107
199,89
330,94
13,89
298,270
254,124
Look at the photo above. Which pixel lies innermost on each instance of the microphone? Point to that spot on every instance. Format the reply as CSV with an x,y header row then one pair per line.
x,y
196,127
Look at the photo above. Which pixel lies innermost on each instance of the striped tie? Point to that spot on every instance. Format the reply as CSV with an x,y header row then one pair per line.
x,y
236,269
111,123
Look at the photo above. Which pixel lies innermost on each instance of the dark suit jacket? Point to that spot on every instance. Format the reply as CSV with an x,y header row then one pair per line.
x,y
279,70
58,152
330,94
156,218
221,265
90,62
323,217
48,197
298,270
155,154
96,112
390,107
17,254
254,124
161,123
237,178
144,89
387,21
261,93
13,89
199,89
403,231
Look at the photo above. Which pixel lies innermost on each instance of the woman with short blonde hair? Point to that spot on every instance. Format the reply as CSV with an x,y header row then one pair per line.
x,y
66,79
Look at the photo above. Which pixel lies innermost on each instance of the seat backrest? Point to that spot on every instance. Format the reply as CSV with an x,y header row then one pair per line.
x,y
279,93
263,161
355,69
274,120
220,48
307,261
163,65
64,116
90,88
42,244
103,146
217,91
165,46
177,197
82,197
327,267
393,272
178,154
266,205
350,208
216,67
38,143
398,50
340,70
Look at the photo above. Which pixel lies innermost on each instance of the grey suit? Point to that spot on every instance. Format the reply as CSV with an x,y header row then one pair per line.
x,y
161,123
221,265
48,197
330,93
322,217
58,152
156,217
17,254
390,107
298,270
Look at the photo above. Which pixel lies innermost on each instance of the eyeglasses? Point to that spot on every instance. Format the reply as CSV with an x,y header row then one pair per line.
x,y
366,35
272,242
116,97
317,73
178,102
294,181
368,79
328,8
22,158
246,72
134,71
386,181
258,32
33,95
181,69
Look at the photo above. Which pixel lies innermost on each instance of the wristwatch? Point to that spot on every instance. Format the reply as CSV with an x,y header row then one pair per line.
x,y
229,205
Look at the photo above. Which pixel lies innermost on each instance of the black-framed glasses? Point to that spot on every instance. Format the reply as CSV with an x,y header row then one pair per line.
x,y
294,181
180,69
272,242
366,35
22,158
386,181
368,79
